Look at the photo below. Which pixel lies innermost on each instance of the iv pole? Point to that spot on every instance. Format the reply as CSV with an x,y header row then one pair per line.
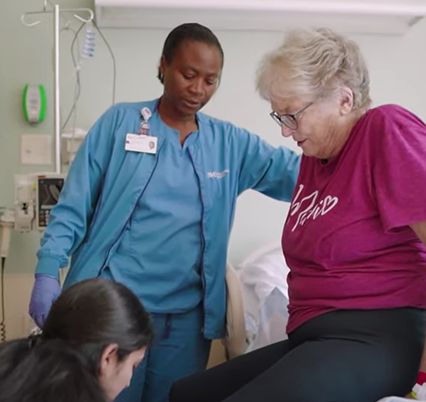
x,y
56,72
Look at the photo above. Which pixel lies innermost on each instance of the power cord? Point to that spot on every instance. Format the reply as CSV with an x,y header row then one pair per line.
x,y
3,313
77,89
114,63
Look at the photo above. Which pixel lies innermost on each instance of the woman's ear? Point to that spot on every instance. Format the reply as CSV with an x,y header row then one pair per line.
x,y
346,101
109,361
162,67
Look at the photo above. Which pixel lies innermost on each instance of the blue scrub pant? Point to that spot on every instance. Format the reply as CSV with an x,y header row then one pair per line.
x,y
179,349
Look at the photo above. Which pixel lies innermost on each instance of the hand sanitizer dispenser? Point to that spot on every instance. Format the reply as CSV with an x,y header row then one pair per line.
x,y
34,103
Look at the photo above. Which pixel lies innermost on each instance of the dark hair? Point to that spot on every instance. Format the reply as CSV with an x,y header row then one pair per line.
x,y
50,372
189,31
62,364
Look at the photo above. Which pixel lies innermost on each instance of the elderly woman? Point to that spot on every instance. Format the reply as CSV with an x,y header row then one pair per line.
x,y
354,239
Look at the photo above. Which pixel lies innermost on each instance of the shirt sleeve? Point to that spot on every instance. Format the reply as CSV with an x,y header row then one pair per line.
x,y
399,166
264,168
69,218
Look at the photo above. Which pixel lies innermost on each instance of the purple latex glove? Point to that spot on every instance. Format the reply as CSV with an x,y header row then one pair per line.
x,y
45,291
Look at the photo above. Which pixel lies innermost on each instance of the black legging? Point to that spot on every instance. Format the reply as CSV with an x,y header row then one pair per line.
x,y
342,356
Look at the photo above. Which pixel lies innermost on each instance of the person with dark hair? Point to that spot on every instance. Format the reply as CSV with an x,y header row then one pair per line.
x,y
149,202
187,32
95,335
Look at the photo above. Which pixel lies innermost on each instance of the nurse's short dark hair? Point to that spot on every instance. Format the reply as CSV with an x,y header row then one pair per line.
x,y
185,32
62,364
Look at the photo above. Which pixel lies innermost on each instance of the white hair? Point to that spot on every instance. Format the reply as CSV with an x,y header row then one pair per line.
x,y
313,64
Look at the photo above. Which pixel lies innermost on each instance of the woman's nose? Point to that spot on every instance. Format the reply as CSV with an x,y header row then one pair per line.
x,y
197,87
286,132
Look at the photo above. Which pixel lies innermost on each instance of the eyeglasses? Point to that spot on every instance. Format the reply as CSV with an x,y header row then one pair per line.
x,y
289,120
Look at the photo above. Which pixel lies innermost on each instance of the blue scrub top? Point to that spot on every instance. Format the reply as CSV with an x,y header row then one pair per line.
x,y
163,243
104,186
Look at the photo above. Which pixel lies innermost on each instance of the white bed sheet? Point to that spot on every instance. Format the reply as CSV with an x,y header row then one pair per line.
x,y
263,278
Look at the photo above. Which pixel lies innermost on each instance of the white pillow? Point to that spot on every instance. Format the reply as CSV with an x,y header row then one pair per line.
x,y
273,318
261,273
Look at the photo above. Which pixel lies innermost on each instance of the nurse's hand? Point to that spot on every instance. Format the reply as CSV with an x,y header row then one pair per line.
x,y
45,291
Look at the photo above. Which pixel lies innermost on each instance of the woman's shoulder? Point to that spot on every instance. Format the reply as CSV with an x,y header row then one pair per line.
x,y
134,108
224,129
391,113
211,121
389,127
390,122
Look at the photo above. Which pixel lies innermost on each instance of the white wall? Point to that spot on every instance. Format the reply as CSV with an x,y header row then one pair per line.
x,y
397,66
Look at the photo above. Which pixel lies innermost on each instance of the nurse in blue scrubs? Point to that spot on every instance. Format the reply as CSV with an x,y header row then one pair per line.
x,y
149,202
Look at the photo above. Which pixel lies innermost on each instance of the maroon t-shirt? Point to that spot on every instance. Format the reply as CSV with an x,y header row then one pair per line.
x,y
346,239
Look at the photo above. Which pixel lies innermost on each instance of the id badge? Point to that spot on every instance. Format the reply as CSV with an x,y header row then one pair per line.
x,y
146,144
